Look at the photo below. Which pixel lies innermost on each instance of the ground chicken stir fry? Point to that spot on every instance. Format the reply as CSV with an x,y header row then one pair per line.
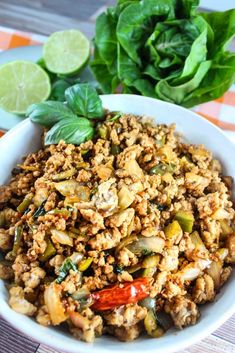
x,y
124,234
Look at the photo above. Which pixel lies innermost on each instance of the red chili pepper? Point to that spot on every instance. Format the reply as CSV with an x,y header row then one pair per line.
x,y
126,293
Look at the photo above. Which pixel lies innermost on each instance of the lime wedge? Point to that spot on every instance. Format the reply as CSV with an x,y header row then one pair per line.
x,y
66,52
22,83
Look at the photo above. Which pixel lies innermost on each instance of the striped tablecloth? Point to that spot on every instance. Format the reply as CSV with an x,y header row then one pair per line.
x,y
221,111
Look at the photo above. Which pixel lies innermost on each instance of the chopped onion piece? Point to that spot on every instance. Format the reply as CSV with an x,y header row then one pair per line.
x,y
53,303
58,236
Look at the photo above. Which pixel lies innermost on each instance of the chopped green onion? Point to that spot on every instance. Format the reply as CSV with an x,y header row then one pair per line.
x,y
49,252
40,211
117,116
62,212
24,204
65,268
17,240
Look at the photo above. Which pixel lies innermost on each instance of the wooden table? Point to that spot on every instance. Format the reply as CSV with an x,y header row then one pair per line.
x,y
45,17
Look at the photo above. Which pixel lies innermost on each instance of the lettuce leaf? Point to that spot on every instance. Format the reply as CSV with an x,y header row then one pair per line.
x,y
164,49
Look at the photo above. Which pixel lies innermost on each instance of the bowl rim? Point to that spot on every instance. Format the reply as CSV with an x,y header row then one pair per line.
x,y
76,346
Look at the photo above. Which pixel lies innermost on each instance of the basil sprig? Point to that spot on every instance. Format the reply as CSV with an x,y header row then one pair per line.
x,y
71,130
82,99
69,121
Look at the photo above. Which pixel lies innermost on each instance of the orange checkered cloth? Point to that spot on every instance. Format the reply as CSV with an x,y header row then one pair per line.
x,y
221,111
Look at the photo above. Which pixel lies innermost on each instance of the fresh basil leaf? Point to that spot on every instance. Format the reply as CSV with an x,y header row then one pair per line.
x,y
84,101
48,113
70,130
58,90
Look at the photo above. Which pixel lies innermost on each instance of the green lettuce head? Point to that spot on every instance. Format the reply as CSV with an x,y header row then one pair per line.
x,y
164,49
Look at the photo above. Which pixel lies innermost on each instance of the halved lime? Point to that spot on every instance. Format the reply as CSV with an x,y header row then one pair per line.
x,y
66,52
22,83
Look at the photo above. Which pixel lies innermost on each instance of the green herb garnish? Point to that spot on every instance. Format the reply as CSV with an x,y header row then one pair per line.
x,y
69,121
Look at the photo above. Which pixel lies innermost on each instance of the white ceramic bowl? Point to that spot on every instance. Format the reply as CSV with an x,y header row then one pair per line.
x,y
25,138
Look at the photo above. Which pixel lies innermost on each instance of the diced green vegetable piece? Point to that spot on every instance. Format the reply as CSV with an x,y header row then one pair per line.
x,y
80,294
17,240
62,212
149,272
103,131
83,152
149,303
151,327
186,220
162,169
150,322
84,264
151,261
173,231
65,268
115,117
115,149
24,204
49,252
